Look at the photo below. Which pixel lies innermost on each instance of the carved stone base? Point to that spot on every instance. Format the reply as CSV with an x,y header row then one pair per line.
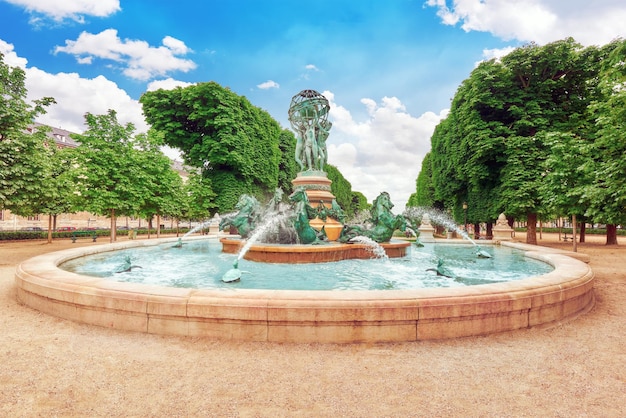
x,y
317,186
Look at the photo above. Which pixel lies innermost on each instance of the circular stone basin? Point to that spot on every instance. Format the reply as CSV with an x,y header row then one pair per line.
x,y
307,316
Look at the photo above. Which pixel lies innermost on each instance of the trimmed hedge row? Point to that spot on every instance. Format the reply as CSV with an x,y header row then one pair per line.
x,y
33,235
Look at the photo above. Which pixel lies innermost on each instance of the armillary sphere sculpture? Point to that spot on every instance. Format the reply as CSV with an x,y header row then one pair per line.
x,y
308,115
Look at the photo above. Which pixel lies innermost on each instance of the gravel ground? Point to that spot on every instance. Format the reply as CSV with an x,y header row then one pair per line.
x,y
53,367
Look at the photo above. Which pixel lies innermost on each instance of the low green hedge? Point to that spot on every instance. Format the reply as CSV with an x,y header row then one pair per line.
x,y
33,235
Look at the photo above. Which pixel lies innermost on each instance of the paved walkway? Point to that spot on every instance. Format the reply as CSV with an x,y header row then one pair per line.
x,y
54,367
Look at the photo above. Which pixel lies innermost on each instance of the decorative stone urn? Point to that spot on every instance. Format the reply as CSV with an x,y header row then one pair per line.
x,y
333,229
502,231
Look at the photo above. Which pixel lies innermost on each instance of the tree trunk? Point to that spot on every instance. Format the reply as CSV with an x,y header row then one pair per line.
x,y
113,226
477,230
489,230
49,229
574,243
611,234
582,229
158,232
531,229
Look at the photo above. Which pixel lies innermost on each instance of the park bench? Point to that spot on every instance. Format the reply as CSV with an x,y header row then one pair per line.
x,y
84,234
566,238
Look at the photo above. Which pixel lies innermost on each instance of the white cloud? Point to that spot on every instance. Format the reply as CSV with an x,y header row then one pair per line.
x,y
311,67
383,153
269,84
59,10
10,57
76,96
497,53
167,84
138,59
542,21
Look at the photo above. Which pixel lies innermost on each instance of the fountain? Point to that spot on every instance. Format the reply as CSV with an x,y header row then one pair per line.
x,y
318,233
311,228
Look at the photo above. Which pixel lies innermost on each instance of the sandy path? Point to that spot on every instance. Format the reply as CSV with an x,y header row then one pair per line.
x,y
54,367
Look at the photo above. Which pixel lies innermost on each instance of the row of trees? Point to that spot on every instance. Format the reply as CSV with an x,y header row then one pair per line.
x,y
231,146
537,134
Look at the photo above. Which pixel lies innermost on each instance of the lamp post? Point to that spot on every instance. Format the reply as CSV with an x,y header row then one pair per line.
x,y
465,211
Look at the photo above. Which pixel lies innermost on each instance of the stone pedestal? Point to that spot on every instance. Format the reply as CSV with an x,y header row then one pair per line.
x,y
317,186
502,231
214,224
426,230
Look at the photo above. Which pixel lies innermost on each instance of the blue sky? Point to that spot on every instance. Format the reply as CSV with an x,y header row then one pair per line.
x,y
389,68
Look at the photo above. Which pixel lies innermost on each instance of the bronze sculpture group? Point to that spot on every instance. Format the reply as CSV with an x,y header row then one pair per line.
x,y
308,115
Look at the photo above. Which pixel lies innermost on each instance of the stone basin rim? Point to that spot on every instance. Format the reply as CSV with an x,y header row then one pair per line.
x,y
371,314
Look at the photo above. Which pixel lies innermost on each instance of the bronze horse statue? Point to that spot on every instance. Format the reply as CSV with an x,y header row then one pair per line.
x,y
303,213
383,221
246,219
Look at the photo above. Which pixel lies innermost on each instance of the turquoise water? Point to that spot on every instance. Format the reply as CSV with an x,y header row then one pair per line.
x,y
201,264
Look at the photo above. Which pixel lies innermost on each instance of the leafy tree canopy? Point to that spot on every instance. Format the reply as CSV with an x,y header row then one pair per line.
x,y
234,143
22,153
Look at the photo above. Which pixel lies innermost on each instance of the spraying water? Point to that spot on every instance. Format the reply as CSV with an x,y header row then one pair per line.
x,y
270,222
197,228
445,220
374,247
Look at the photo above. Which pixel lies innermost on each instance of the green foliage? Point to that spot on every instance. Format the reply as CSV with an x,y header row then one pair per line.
x,y
198,200
522,137
228,187
22,154
107,171
359,203
287,168
162,186
235,144
425,194
607,190
341,188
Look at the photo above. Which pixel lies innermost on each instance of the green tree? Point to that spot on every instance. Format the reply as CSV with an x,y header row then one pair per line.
x,y
425,192
235,144
58,191
341,188
494,150
162,186
550,95
359,203
287,168
107,175
23,156
607,192
198,198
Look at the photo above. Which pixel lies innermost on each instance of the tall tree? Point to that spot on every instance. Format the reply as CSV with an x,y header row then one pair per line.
x,y
57,191
22,153
287,168
162,185
341,188
108,177
235,144
198,198
425,192
608,189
